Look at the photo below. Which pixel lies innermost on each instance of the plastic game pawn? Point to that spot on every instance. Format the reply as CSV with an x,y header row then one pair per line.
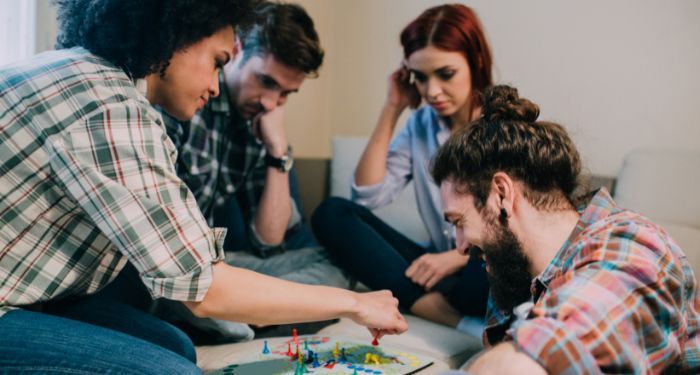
x,y
294,336
298,353
375,342
354,371
343,358
266,350
372,359
289,349
306,345
316,363
300,365
309,356
336,351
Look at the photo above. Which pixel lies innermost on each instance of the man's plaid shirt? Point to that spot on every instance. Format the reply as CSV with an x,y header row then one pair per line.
x,y
87,182
619,297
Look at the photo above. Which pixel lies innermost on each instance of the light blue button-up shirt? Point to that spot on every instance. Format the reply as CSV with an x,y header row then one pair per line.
x,y
409,158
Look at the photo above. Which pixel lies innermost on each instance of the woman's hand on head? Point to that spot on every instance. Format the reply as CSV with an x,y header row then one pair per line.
x,y
402,93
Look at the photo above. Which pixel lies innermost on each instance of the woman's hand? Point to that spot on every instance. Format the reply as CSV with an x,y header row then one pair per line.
x,y
402,93
429,269
379,312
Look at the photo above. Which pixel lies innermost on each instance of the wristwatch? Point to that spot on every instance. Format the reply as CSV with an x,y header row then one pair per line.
x,y
283,164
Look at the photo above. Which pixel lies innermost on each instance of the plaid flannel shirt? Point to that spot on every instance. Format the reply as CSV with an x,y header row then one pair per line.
x,y
219,156
619,297
87,182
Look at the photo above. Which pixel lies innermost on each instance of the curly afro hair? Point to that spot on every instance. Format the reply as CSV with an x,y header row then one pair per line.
x,y
140,36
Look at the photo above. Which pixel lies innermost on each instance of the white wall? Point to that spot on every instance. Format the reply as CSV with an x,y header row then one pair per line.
x,y
618,74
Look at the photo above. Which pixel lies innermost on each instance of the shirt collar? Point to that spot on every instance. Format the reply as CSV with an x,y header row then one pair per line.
x,y
142,86
598,207
442,132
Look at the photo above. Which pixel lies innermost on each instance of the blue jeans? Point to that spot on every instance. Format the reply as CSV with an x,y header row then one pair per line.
x,y
378,256
102,333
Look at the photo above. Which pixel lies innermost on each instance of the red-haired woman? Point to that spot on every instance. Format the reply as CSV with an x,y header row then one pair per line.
x,y
447,63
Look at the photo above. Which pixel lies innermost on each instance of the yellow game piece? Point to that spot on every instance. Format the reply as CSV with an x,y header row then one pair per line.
x,y
336,351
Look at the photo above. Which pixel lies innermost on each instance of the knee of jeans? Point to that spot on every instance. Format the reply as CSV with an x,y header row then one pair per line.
x,y
186,347
329,209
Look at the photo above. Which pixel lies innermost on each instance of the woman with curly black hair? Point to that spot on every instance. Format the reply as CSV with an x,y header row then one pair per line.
x,y
88,186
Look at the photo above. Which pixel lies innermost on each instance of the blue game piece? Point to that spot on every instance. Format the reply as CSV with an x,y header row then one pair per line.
x,y
266,350
315,363
343,358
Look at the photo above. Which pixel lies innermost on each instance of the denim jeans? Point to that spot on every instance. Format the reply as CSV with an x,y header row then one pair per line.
x,y
108,332
32,342
378,256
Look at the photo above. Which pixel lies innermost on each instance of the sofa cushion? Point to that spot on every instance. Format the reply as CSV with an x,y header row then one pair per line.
x,y
402,214
445,344
661,184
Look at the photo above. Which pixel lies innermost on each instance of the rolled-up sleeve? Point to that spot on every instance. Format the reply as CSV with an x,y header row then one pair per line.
x,y
118,167
555,346
398,174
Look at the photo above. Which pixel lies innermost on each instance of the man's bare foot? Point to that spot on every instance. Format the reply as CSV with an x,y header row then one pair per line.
x,y
433,306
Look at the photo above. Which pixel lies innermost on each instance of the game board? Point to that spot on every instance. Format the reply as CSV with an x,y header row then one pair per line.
x,y
329,355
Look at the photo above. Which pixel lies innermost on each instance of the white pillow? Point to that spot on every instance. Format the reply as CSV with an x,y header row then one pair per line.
x,y
662,184
402,214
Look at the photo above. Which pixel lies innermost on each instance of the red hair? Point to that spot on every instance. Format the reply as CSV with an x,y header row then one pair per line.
x,y
454,28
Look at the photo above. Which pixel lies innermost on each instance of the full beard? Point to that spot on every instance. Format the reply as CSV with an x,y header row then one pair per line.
x,y
508,267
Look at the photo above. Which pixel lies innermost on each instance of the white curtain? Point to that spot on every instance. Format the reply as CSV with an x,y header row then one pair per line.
x,y
17,30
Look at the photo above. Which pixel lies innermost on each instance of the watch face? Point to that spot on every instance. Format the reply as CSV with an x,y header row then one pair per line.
x,y
288,163
284,164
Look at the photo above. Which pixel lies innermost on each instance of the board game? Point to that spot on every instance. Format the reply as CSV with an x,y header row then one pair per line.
x,y
325,355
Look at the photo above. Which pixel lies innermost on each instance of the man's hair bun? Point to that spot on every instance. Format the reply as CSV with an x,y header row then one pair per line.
x,y
502,103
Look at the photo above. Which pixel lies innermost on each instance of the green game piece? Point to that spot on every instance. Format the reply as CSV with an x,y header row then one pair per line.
x,y
306,345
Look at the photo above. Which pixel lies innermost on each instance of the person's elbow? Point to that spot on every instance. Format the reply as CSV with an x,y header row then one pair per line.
x,y
210,306
200,309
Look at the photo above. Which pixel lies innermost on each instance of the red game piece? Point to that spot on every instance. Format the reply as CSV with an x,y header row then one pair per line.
x,y
289,349
375,342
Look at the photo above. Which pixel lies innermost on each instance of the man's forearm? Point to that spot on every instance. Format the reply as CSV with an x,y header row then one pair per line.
x,y
238,294
274,209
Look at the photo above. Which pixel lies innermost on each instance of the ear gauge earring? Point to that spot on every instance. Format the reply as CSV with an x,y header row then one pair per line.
x,y
504,216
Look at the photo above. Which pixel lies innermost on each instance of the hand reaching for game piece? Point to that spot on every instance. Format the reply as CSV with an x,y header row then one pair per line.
x,y
379,312
430,268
